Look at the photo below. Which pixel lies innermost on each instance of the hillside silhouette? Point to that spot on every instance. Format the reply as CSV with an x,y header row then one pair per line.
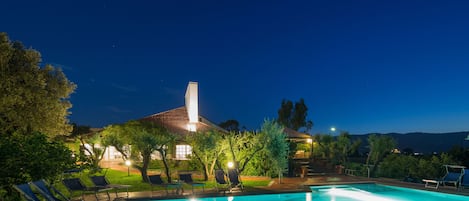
x,y
420,142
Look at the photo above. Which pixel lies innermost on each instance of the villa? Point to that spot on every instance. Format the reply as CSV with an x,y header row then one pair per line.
x,y
185,120
180,121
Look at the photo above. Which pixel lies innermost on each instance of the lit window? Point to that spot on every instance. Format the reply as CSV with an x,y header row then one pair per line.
x,y
183,151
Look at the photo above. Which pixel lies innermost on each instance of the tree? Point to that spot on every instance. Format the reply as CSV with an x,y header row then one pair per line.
x,y
245,146
230,125
144,138
276,146
380,146
207,148
294,116
398,166
285,113
33,98
326,145
30,157
91,152
346,147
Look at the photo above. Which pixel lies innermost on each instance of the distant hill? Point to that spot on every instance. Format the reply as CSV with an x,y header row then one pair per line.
x,y
426,143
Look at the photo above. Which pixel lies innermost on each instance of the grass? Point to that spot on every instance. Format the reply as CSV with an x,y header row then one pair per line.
x,y
136,183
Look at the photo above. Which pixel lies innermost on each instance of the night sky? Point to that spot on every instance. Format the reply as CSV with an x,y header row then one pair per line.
x,y
361,66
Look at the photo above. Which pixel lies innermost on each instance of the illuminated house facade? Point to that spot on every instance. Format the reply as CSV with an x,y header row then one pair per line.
x,y
185,120
181,121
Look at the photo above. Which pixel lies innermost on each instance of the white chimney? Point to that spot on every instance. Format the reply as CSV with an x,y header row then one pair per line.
x,y
192,105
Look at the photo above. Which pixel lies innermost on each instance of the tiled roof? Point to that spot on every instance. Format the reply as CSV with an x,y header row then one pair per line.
x,y
296,134
176,121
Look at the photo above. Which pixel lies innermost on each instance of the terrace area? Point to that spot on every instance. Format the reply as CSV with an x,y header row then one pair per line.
x,y
294,184
287,185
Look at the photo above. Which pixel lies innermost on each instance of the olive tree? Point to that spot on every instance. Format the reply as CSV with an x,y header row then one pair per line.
x,y
91,151
144,137
345,147
207,147
243,147
380,146
33,98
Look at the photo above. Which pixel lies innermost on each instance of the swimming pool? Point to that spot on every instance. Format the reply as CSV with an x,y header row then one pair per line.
x,y
376,192
352,192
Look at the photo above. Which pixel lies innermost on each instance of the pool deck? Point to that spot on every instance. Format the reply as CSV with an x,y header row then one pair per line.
x,y
295,184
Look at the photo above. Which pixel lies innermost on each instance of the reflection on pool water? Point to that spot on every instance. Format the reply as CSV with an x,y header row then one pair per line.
x,y
352,192
375,192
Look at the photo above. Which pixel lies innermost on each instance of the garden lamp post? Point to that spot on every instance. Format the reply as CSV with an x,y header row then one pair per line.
x,y
128,163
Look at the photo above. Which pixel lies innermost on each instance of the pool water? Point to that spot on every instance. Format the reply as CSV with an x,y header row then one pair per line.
x,y
353,192
376,192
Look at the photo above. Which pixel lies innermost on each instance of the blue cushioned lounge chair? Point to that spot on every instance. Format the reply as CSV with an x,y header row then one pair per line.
x,y
187,178
235,181
221,183
75,184
26,192
101,181
155,180
46,191
453,175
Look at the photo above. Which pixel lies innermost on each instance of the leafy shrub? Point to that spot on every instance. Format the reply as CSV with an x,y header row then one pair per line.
x,y
397,166
31,157
401,166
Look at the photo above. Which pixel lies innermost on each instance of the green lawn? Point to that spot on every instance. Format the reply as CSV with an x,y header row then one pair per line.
x,y
135,180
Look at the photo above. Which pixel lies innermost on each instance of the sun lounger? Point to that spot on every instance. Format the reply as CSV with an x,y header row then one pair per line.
x,y
221,183
187,178
26,192
235,181
452,177
155,180
75,184
101,181
46,191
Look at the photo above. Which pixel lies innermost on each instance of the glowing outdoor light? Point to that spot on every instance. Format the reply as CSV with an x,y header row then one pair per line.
x,y
309,140
128,163
333,129
191,127
230,164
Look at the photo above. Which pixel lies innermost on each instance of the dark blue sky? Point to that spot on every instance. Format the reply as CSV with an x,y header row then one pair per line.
x,y
361,66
